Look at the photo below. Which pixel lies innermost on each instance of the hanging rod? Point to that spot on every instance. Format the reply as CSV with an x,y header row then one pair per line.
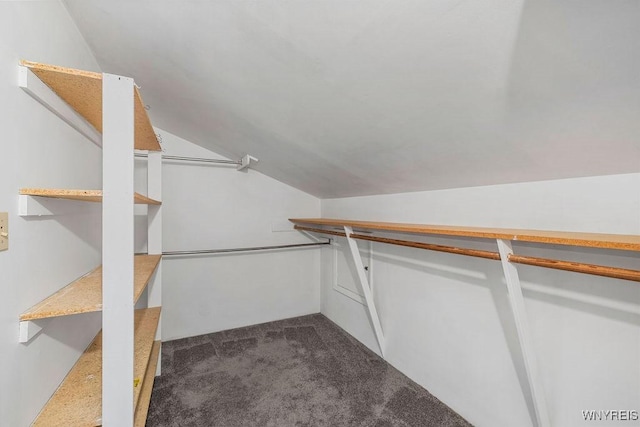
x,y
578,267
196,159
438,248
431,247
255,248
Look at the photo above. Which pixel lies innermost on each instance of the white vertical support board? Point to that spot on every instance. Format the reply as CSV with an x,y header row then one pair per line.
x,y
516,301
117,251
154,236
366,289
42,93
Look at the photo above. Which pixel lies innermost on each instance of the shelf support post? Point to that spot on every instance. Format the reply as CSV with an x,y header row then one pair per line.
x,y
366,289
117,251
516,300
154,237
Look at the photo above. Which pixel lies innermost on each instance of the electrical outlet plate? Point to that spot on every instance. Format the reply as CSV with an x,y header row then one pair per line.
x,y
4,231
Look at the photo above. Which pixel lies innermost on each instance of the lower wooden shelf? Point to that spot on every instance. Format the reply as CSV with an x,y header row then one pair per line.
x,y
142,407
85,294
78,400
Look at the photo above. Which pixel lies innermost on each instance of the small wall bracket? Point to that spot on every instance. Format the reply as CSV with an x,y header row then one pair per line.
x,y
245,162
29,329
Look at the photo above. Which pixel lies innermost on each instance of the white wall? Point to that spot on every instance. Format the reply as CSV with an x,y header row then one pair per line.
x,y
39,150
446,317
216,207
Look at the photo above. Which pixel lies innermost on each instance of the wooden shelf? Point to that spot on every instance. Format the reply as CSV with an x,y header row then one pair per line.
x,y
142,408
81,195
85,294
82,90
594,240
78,400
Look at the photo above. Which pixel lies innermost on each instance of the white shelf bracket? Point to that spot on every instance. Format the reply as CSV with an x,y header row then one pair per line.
x,y
34,206
29,329
39,91
516,301
366,289
245,162
31,206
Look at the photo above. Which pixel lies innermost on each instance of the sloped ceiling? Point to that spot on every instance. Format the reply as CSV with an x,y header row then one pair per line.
x,y
342,98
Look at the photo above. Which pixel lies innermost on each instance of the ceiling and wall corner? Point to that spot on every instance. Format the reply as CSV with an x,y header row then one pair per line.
x,y
369,97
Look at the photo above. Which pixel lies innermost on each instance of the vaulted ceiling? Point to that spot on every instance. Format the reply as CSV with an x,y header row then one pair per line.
x,y
342,98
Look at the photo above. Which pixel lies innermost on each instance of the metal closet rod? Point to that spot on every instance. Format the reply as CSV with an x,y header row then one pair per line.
x,y
250,249
195,159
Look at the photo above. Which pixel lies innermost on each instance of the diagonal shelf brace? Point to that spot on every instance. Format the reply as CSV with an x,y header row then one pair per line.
x,y
516,300
366,289
42,93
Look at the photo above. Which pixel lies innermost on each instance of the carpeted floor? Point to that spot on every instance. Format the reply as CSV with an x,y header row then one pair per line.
x,y
304,371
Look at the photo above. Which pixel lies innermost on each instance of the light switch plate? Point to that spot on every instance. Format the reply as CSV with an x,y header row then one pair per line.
x,y
4,231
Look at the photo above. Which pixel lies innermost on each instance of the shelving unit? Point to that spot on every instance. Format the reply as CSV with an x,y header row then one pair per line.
x,y
588,240
78,400
592,240
81,195
100,387
504,238
84,295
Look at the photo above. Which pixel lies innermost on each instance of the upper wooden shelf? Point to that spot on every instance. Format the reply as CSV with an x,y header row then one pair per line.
x,y
594,240
82,90
85,294
78,400
82,195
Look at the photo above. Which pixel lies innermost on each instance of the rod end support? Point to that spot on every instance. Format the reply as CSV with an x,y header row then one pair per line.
x,y
246,162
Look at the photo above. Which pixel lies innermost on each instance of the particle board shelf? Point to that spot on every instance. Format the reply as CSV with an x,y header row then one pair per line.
x,y
81,195
142,408
82,90
594,240
78,400
85,294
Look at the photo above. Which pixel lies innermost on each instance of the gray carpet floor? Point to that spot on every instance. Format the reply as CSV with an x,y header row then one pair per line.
x,y
304,371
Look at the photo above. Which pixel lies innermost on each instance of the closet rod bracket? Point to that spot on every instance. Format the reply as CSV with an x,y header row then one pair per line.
x,y
246,161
